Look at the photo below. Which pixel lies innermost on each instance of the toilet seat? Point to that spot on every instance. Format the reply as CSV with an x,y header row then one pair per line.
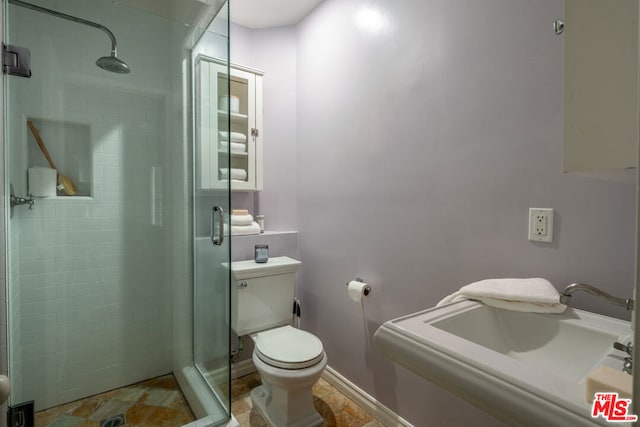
x,y
288,348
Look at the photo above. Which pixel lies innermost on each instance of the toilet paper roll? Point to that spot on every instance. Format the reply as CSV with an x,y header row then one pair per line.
x,y
355,289
42,182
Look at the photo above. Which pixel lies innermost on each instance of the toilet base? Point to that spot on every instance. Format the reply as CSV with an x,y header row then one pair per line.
x,y
259,398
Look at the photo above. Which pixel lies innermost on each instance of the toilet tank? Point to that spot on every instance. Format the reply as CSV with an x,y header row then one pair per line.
x,y
262,294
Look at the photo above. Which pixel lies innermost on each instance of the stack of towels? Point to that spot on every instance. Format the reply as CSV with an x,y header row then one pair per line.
x,y
242,223
235,142
534,295
235,173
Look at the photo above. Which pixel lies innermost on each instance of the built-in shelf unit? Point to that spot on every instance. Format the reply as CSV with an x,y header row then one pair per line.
x,y
229,135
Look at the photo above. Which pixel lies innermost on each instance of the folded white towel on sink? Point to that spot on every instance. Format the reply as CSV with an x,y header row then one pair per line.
x,y
530,295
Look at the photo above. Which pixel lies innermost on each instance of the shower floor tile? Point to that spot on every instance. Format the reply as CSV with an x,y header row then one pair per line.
x,y
153,403
335,407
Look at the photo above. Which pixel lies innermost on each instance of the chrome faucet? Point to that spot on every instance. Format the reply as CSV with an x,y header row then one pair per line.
x,y
17,201
628,361
565,295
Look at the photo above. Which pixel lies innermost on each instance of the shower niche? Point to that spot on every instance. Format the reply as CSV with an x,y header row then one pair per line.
x,y
69,147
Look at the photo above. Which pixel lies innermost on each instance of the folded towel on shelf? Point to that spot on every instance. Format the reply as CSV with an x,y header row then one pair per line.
x,y
232,136
244,230
239,211
530,295
241,219
236,147
236,173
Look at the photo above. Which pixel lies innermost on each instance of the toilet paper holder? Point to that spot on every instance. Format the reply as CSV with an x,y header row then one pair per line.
x,y
367,289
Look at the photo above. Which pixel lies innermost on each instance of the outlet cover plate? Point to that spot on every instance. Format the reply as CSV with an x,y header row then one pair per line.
x,y
541,224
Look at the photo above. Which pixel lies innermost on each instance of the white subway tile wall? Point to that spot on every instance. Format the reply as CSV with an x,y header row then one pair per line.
x,y
90,276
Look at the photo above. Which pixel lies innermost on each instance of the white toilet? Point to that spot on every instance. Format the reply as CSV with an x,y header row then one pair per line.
x,y
289,360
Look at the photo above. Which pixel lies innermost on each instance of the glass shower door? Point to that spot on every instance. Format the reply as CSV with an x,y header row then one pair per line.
x,y
209,373
101,291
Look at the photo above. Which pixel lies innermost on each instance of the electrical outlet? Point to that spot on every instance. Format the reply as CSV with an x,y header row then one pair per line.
x,y
541,224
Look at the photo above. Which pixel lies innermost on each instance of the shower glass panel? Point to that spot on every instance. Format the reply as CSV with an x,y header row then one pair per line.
x,y
101,279
211,207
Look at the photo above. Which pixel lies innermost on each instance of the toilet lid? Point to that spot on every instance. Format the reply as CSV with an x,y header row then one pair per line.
x,y
288,348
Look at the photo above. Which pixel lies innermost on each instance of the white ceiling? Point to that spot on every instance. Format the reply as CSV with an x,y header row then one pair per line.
x,y
270,13
198,13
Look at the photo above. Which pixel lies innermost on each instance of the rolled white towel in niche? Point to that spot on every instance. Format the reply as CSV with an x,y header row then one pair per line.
x,y
42,182
232,136
241,219
236,173
236,147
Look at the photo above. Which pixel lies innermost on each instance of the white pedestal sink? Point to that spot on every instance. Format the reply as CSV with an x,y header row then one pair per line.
x,y
526,369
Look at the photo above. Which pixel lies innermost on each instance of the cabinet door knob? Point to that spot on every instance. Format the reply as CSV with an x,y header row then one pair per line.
x,y
255,132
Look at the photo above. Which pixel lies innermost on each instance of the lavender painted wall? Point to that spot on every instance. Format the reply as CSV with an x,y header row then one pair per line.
x,y
421,146
274,52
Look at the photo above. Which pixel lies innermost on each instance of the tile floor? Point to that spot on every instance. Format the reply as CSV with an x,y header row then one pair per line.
x,y
335,407
159,403
156,402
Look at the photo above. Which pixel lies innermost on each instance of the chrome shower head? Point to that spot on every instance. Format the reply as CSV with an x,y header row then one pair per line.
x,y
113,64
109,63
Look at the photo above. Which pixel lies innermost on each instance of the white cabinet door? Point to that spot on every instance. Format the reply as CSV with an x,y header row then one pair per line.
x,y
601,117
229,120
206,125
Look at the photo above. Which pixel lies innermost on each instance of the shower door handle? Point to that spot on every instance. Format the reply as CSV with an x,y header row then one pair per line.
x,y
217,212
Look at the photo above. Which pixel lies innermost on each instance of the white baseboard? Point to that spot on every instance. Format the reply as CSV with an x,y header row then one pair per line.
x,y
242,368
380,412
